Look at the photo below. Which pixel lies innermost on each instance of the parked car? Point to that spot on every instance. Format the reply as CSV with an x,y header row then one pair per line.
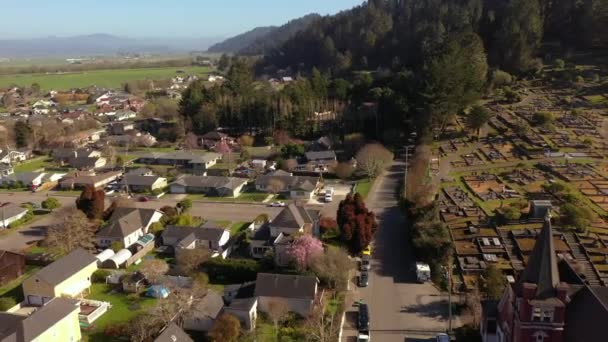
x,y
443,337
365,264
363,320
143,199
363,279
367,251
277,204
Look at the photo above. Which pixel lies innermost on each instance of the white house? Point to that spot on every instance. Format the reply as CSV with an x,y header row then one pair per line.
x,y
127,225
209,236
10,213
9,156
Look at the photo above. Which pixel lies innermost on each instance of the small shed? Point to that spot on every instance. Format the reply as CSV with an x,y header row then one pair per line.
x,y
105,255
158,291
118,259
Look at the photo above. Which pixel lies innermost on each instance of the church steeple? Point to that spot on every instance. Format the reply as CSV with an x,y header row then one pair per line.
x,y
542,264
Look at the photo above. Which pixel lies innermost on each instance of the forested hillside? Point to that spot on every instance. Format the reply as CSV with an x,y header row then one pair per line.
x,y
236,43
405,33
392,66
262,40
278,36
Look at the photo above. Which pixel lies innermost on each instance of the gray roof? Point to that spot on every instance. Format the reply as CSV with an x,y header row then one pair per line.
x,y
285,286
542,265
320,155
27,328
67,266
125,221
209,306
62,153
139,180
139,172
183,156
80,162
11,210
173,333
24,177
292,216
290,182
198,233
242,304
211,182
214,135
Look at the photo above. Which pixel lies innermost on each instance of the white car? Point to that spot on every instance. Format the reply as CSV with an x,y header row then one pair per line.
x,y
277,204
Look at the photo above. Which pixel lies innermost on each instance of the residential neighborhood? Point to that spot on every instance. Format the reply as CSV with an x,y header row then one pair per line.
x,y
354,171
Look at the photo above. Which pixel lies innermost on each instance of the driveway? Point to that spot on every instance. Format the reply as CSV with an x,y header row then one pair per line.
x,y
399,306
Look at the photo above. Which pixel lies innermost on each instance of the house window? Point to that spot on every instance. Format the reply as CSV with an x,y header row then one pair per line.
x,y
542,314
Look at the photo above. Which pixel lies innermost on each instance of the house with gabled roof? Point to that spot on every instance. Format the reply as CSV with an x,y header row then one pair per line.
x,y
126,225
299,292
209,236
209,185
70,276
56,321
294,219
173,333
181,158
9,213
295,187
137,183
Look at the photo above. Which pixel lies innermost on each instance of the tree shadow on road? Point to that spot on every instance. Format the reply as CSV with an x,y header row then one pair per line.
x,y
437,309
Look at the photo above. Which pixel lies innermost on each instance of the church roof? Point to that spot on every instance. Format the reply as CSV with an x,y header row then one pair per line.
x,y
542,265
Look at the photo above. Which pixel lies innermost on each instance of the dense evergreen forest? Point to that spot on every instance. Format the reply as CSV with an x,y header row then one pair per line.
x,y
389,66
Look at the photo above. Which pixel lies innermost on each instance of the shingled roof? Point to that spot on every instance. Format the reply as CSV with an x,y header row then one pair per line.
x,y
125,221
173,333
28,328
64,268
292,216
542,265
285,286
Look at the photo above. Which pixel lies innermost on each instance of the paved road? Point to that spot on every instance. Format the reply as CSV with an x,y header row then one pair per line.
x,y
28,234
399,307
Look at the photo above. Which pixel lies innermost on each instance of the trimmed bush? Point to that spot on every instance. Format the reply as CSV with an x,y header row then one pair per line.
x,y
7,303
232,270
100,276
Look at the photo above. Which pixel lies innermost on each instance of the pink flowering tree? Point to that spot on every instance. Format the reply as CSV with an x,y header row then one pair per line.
x,y
303,250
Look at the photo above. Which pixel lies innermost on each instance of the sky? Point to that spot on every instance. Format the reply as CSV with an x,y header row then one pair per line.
x,y
154,18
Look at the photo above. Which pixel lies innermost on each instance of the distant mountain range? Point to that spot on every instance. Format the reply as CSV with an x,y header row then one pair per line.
x,y
261,40
98,44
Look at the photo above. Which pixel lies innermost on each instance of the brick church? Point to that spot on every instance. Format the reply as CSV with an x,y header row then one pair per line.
x,y
549,302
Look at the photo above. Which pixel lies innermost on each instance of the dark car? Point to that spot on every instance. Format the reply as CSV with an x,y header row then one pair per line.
x,y
363,279
363,322
143,199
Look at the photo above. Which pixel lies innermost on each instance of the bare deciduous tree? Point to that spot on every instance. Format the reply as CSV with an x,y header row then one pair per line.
x,y
190,260
322,326
154,269
344,170
74,231
419,190
373,159
289,165
277,311
276,185
334,267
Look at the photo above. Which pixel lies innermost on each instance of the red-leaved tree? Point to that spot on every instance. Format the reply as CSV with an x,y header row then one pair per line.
x,y
304,250
357,224
91,202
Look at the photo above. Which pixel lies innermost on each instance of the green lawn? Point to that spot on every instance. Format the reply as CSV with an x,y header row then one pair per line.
x,y
33,165
238,227
261,152
101,78
364,186
123,309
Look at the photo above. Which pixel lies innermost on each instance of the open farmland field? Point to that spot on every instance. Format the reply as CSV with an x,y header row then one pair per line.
x,y
101,78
